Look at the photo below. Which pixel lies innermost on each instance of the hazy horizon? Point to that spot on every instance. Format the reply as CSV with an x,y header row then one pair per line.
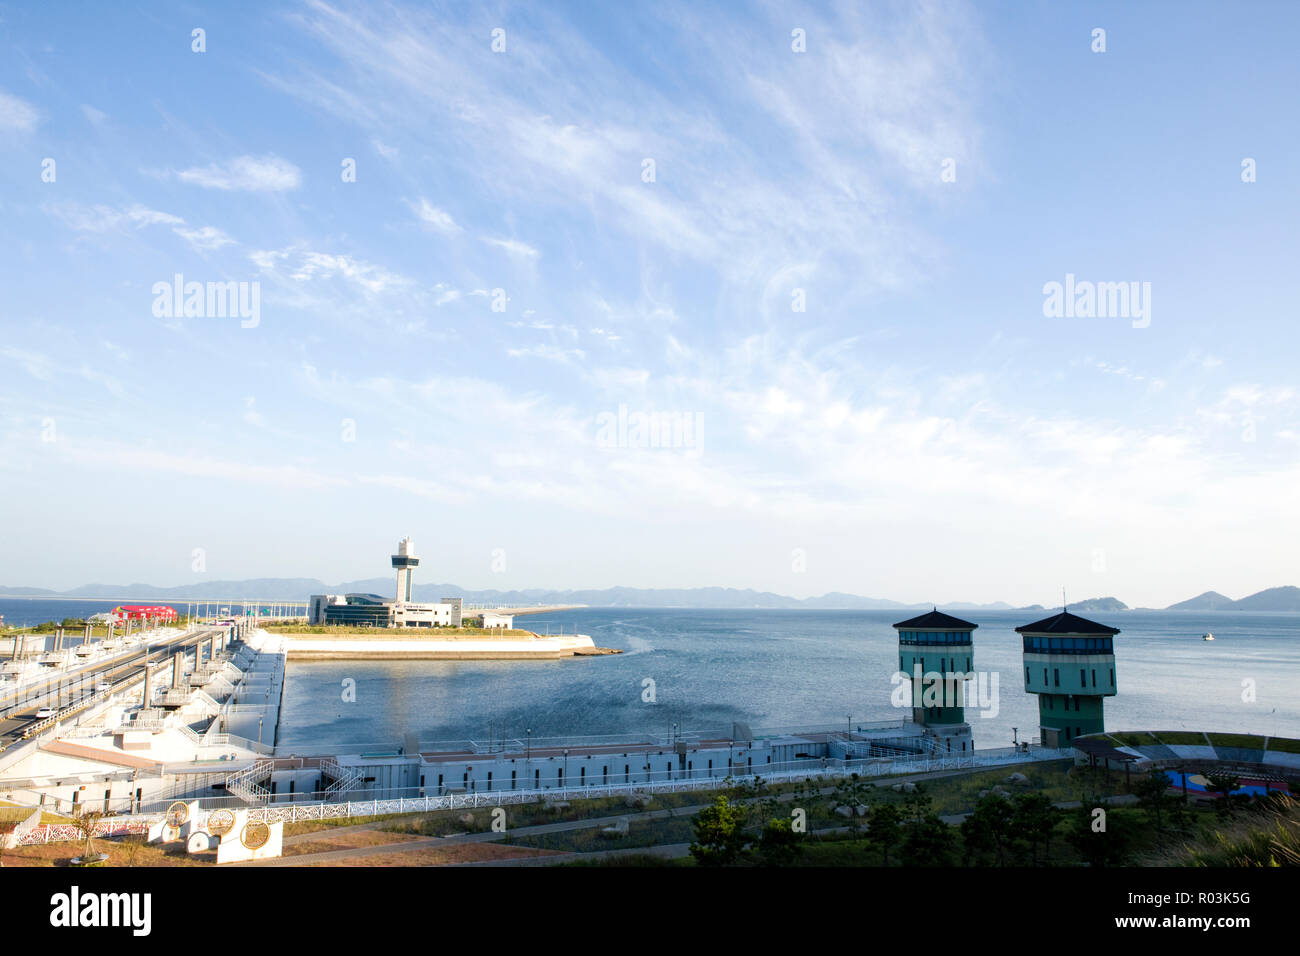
x,y
1072,600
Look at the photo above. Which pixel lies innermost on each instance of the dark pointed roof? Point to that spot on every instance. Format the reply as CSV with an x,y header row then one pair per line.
x,y
937,620
1066,623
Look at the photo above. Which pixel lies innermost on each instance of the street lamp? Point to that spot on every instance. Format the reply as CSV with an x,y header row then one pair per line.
x,y
259,736
566,767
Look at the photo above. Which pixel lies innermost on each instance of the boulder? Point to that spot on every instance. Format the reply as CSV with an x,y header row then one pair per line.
x,y
619,829
1019,779
467,819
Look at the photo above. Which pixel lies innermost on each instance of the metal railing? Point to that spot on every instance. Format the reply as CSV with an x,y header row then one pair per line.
x,y
346,779
244,784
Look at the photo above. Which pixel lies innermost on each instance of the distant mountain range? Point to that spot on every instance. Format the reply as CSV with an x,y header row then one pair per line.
x,y
1279,599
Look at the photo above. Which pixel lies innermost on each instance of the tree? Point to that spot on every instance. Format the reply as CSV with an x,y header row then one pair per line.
x,y
990,828
853,792
86,823
1225,785
884,828
916,805
719,840
929,842
1100,844
1035,820
1152,791
131,847
779,844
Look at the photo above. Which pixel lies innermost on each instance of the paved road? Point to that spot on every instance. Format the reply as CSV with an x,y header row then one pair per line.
x,y
19,708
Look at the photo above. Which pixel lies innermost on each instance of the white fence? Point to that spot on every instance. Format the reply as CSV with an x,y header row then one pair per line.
x,y
366,808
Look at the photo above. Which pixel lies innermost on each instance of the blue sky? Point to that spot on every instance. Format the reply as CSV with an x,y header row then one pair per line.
x,y
921,430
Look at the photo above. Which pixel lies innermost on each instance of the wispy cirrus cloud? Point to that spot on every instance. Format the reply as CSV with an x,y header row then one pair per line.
x,y
246,173
437,219
514,247
101,219
95,116
300,263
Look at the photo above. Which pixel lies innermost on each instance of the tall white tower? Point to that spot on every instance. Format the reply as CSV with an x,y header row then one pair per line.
x,y
405,560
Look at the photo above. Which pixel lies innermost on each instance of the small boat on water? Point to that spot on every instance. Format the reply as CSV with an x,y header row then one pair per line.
x,y
1207,636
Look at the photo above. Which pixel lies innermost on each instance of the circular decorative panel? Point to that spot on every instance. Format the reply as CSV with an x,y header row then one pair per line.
x,y
254,835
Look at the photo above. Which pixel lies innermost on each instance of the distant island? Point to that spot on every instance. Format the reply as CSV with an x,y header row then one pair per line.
x,y
1278,599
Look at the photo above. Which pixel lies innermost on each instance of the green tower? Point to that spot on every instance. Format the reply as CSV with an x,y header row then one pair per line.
x,y
1070,665
936,654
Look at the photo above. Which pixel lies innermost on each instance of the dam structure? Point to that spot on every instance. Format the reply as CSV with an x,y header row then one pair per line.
x,y
196,719
208,733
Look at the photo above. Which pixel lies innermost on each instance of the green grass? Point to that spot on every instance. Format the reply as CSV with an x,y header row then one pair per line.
x,y
1265,835
1134,738
315,826
1286,745
641,833
1181,737
15,814
1247,741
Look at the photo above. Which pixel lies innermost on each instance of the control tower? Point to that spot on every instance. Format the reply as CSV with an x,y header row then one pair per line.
x,y
1056,649
934,652
405,561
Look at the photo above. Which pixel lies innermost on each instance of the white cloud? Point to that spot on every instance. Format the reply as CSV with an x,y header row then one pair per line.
x,y
96,117
249,173
514,247
102,219
304,265
17,115
251,415
434,217
205,239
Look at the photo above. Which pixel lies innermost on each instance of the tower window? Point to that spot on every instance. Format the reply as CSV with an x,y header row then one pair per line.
x,y
1056,677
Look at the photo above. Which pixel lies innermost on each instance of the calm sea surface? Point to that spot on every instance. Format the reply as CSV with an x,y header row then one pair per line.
x,y
771,668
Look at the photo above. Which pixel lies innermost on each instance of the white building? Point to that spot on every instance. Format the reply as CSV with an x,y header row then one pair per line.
x,y
493,619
